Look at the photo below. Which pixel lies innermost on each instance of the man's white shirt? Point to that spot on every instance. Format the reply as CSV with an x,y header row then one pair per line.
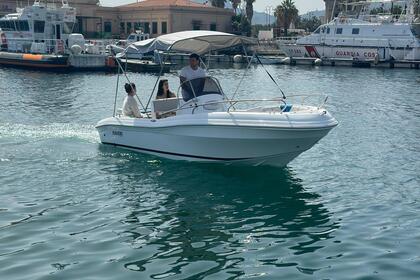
x,y
190,74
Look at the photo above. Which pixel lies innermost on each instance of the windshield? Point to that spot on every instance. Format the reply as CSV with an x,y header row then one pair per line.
x,y
199,87
68,27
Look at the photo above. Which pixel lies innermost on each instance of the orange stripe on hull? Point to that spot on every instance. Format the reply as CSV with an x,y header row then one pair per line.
x,y
36,57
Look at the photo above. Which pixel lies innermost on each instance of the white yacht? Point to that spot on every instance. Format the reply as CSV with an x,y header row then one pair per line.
x,y
204,124
382,37
40,36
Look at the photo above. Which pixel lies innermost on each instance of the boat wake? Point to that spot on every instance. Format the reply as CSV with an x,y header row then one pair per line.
x,y
35,132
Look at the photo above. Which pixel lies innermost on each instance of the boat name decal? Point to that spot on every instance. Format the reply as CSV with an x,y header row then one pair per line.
x,y
117,133
367,54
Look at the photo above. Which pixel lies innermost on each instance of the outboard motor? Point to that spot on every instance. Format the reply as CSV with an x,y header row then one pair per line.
x,y
74,40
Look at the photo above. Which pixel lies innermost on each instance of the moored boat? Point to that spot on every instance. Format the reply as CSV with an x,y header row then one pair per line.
x,y
382,37
40,37
39,61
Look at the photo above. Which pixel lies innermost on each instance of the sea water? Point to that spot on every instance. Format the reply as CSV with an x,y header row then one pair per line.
x,y
71,208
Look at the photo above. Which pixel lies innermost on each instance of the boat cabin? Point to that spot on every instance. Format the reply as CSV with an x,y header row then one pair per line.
x,y
355,32
137,37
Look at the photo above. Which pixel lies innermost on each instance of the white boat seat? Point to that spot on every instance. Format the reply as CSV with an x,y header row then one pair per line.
x,y
165,105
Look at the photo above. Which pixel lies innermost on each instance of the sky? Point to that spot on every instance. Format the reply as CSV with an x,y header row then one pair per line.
x,y
303,6
259,5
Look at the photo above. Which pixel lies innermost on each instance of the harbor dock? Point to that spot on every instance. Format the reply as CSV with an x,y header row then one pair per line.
x,y
294,61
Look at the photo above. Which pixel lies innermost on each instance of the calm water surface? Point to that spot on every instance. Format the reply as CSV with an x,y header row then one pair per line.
x,y
71,208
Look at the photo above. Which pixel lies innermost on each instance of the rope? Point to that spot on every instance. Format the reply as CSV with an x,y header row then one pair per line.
x,y
125,74
162,64
268,73
116,92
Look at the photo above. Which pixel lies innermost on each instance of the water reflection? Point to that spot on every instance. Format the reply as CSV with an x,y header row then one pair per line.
x,y
202,219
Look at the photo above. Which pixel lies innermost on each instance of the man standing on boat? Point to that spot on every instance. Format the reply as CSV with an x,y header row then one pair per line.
x,y
191,72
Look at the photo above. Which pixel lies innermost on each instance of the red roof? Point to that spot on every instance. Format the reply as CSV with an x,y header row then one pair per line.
x,y
160,3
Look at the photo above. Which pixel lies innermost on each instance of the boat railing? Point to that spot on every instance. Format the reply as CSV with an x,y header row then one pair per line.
x,y
385,18
297,99
287,40
45,46
283,104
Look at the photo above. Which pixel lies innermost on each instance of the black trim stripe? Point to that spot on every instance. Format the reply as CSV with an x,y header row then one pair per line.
x,y
174,154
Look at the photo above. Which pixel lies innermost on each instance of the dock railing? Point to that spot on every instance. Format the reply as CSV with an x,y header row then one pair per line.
x,y
52,46
47,46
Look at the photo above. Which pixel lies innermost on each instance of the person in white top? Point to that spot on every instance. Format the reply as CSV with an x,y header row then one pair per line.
x,y
130,107
191,72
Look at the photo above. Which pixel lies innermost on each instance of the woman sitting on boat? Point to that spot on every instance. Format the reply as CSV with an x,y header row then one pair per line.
x,y
163,90
130,107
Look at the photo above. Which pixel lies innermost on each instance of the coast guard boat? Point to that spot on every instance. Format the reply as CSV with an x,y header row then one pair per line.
x,y
204,124
40,36
381,37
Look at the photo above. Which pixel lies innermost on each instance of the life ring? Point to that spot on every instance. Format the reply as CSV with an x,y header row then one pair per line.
x,y
3,41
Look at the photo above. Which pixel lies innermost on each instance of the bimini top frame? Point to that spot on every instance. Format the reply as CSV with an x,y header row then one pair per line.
x,y
197,41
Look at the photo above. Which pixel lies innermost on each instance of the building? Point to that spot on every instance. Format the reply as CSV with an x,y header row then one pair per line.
x,y
156,17
166,16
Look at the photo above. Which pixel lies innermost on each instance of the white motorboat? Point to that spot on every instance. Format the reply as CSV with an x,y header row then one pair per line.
x,y
380,37
203,124
121,45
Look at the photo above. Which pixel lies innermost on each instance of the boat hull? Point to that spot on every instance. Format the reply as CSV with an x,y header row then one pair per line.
x,y
34,61
350,52
215,142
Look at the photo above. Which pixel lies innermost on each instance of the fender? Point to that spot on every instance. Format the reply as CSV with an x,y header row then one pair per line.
x,y
3,41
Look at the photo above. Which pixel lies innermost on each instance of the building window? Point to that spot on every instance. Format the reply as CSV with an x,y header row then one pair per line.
x,y
39,26
154,27
213,27
122,27
129,27
339,31
196,24
107,27
328,30
164,27
355,31
146,27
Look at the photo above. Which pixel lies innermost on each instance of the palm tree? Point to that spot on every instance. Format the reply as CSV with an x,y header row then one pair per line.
x,y
218,3
249,9
286,13
235,4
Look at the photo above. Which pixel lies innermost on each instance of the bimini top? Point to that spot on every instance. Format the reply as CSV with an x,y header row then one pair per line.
x,y
197,41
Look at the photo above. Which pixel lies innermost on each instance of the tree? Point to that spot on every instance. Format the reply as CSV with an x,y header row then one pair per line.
x,y
235,4
286,13
241,25
218,3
